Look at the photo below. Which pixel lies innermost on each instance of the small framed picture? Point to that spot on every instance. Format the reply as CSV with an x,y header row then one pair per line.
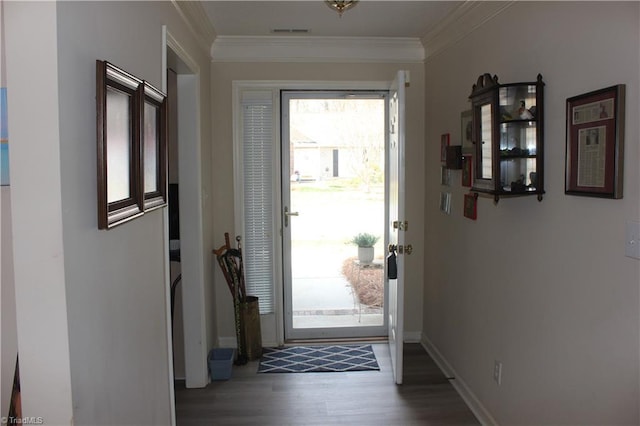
x,y
470,206
444,143
445,202
467,161
466,132
445,176
595,143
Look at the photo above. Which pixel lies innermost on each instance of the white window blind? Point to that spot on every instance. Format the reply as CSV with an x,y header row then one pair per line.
x,y
258,195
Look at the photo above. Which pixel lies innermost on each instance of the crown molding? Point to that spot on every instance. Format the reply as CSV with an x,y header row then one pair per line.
x,y
461,22
194,15
316,49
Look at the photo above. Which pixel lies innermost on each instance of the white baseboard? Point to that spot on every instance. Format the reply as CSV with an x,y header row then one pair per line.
x,y
231,342
412,336
474,404
227,342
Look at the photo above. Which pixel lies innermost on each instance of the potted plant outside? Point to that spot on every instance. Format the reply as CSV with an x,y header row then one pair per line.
x,y
365,243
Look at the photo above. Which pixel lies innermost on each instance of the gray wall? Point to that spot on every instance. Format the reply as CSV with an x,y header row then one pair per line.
x,y
92,308
544,287
116,279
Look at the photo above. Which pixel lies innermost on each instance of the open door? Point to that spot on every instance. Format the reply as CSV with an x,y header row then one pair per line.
x,y
396,217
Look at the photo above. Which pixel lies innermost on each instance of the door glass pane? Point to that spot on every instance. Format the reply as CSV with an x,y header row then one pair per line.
x,y
336,169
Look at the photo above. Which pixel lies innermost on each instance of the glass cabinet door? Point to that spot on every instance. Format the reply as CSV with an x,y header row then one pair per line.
x,y
483,118
518,138
518,171
485,169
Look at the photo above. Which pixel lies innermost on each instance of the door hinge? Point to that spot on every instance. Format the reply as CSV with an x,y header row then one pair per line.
x,y
402,226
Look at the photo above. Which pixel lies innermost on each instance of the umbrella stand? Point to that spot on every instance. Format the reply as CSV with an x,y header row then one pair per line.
x,y
230,261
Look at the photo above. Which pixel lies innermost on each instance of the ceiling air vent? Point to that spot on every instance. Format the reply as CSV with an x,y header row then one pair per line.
x,y
290,31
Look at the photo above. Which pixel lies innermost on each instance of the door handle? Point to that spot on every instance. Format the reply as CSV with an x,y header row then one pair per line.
x,y
287,213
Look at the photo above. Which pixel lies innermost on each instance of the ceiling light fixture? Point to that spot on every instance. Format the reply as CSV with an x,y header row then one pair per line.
x,y
341,5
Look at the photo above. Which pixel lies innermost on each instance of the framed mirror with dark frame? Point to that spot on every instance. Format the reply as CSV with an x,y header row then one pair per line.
x,y
131,146
118,136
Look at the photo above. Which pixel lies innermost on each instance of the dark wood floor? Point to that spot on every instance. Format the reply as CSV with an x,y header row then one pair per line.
x,y
353,398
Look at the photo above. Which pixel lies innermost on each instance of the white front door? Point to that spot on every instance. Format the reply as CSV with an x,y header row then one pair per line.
x,y
333,188
396,219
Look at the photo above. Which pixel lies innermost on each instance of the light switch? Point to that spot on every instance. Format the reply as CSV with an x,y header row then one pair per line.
x,y
632,240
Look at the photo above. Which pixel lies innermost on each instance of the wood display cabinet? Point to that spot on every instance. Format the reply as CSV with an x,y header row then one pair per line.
x,y
508,129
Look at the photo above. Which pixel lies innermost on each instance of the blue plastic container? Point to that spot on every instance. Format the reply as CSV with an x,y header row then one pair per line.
x,y
220,362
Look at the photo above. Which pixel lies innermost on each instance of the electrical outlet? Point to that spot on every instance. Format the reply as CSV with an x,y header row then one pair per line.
x,y
497,372
632,240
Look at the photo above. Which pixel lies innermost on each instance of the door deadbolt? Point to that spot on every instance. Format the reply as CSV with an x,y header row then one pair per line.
x,y
408,249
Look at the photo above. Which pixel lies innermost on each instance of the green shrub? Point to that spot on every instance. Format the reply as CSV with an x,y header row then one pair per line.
x,y
365,240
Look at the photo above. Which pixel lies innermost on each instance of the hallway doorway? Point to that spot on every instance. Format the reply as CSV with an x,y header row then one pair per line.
x,y
184,171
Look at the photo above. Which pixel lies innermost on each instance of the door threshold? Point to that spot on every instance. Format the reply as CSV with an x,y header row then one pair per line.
x,y
295,342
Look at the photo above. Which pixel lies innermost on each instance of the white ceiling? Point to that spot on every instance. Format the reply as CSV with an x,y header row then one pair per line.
x,y
370,18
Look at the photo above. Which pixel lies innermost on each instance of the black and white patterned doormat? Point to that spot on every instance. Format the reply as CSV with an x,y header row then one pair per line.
x,y
314,359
